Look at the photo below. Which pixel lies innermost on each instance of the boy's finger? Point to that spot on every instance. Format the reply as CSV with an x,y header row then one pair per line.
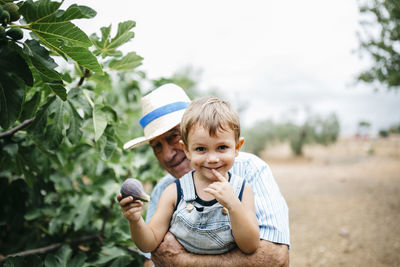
x,y
125,201
219,176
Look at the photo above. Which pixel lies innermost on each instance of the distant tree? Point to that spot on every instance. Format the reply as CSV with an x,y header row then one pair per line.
x,y
314,130
363,128
380,39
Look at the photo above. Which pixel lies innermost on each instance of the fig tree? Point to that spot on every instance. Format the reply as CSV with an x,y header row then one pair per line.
x,y
15,33
134,188
13,10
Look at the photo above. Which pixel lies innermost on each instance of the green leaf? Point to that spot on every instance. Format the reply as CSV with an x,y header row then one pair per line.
x,y
60,259
107,145
75,95
107,46
74,133
33,49
40,121
103,82
77,261
54,131
123,35
84,212
76,12
108,253
15,262
122,132
54,29
30,107
84,57
99,121
11,99
121,261
127,63
58,88
42,9
27,167
11,63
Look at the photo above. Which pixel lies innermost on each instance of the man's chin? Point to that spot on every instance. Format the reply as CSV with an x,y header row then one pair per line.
x,y
181,169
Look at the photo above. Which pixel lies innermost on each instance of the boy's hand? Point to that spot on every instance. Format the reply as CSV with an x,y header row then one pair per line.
x,y
223,191
132,210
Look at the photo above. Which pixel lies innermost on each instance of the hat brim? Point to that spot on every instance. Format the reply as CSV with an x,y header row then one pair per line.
x,y
156,128
136,142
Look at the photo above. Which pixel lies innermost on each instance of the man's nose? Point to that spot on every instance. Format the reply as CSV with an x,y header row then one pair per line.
x,y
168,151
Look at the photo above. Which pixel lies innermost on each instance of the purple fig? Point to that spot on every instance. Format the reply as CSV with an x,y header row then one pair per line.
x,y
134,188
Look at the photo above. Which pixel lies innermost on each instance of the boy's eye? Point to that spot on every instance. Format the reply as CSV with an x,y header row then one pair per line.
x,y
222,147
200,149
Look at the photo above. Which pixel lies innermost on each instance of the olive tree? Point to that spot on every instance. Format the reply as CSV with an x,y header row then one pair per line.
x,y
380,40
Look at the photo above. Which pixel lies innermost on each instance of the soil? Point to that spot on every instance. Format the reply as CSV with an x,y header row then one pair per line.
x,y
344,202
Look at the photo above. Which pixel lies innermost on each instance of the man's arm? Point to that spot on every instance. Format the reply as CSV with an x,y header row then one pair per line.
x,y
171,253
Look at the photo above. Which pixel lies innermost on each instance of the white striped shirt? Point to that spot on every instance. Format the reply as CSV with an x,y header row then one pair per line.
x,y
271,209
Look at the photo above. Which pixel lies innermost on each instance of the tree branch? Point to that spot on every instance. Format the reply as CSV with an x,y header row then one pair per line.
x,y
16,128
42,250
82,79
53,247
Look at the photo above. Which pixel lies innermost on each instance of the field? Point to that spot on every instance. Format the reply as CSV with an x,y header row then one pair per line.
x,y
344,202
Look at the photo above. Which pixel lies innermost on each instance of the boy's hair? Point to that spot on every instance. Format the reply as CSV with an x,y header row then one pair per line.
x,y
213,114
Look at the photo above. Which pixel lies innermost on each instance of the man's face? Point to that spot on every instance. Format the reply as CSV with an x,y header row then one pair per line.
x,y
169,153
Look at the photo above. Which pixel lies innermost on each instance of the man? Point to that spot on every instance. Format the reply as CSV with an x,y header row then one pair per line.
x,y
162,111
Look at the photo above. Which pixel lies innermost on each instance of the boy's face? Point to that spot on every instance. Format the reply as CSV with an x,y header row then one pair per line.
x,y
207,152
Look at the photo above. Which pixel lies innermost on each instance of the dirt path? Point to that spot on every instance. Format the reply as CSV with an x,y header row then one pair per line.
x,y
344,203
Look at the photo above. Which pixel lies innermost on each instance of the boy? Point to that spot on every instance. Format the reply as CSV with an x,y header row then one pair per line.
x,y
209,210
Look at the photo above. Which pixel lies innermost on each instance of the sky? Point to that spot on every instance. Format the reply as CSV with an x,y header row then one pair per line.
x,y
270,56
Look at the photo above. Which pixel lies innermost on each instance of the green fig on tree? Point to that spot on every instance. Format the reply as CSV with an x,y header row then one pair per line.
x,y
15,33
12,10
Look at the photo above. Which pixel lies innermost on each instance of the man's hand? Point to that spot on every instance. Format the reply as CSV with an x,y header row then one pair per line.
x,y
167,252
171,253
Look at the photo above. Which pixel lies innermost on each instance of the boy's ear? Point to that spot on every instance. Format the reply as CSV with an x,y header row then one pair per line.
x,y
239,145
184,148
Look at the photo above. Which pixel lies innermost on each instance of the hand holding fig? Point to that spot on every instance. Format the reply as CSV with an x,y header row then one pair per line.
x,y
134,188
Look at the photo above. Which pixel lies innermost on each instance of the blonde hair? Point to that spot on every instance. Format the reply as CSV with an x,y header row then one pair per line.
x,y
213,114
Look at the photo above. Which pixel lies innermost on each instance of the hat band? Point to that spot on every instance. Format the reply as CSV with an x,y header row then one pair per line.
x,y
161,111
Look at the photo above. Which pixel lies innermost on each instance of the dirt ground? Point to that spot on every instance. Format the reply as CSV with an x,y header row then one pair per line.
x,y
344,202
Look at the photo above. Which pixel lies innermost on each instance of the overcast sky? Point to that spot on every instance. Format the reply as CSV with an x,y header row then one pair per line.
x,y
273,55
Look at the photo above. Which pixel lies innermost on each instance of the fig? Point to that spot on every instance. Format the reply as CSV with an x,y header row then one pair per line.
x,y
134,188
12,10
4,17
15,33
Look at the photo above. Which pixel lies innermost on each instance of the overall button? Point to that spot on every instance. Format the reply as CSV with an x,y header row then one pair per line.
x,y
189,207
224,211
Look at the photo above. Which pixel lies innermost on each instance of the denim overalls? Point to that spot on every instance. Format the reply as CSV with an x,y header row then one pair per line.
x,y
203,227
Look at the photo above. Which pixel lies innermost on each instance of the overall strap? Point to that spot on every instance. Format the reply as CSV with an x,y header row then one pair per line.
x,y
178,193
189,193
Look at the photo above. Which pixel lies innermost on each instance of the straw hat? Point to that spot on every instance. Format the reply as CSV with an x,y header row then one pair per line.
x,y
162,110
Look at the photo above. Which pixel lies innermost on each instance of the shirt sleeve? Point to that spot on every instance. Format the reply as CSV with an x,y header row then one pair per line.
x,y
271,209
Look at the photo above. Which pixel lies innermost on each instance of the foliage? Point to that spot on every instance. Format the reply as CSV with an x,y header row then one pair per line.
x,y
61,137
315,129
394,129
380,39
